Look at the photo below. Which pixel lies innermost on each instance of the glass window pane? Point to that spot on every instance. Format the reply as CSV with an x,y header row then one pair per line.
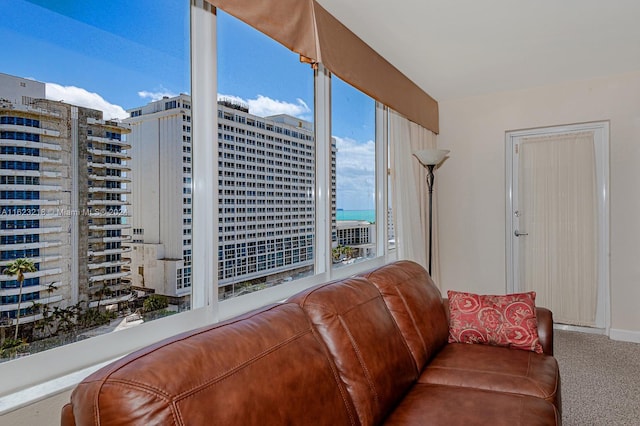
x,y
353,130
266,162
79,199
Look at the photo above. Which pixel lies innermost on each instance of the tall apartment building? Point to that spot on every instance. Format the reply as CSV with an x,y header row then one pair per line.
x,y
266,175
266,186
161,197
62,187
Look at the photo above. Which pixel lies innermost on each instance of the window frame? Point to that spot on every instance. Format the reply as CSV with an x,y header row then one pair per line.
x,y
26,381
26,376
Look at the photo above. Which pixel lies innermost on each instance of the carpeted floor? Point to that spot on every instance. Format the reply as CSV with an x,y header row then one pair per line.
x,y
600,379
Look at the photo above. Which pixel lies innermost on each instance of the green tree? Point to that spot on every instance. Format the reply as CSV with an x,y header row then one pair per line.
x,y
17,269
155,302
341,253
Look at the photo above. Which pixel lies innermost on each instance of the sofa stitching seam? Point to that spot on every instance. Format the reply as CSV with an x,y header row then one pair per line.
x,y
336,375
197,388
226,374
116,367
529,379
360,360
413,320
536,384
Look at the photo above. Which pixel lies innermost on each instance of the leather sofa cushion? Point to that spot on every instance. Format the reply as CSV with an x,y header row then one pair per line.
x,y
496,369
416,305
371,356
437,405
261,368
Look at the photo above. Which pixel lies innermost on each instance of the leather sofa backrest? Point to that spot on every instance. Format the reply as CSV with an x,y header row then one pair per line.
x,y
416,305
261,368
371,355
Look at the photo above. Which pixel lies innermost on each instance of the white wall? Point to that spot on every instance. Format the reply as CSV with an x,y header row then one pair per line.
x,y
471,183
145,166
42,413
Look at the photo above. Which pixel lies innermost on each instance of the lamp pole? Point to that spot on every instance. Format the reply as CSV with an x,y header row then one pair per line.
x,y
430,179
430,158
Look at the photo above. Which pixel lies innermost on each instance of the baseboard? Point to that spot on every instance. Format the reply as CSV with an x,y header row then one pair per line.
x,y
624,335
590,330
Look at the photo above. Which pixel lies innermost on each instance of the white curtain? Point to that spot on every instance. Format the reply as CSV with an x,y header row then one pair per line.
x,y
410,209
558,210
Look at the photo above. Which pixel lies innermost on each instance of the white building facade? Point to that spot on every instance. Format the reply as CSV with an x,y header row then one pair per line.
x,y
266,207
266,172
62,189
161,197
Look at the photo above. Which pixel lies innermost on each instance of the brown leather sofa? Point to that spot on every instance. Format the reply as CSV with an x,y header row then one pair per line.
x,y
367,350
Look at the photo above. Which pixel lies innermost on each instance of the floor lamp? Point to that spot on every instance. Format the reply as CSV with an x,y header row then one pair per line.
x,y
430,158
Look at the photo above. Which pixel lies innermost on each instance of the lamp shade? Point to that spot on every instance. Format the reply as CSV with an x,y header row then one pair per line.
x,y
431,157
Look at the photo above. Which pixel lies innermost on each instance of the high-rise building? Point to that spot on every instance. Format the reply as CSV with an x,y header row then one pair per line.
x,y
266,187
161,197
63,177
266,208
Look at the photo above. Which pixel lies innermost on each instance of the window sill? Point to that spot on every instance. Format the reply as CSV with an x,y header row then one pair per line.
x,y
39,392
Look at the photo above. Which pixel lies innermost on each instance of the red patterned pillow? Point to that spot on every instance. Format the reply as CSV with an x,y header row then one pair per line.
x,y
508,320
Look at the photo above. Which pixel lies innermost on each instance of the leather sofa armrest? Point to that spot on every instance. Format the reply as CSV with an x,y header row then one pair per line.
x,y
445,302
545,329
67,416
545,326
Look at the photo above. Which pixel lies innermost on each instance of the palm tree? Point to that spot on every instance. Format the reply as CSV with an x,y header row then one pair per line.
x,y
17,269
105,291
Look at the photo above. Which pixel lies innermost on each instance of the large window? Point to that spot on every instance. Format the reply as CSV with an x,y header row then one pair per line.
x,y
354,133
266,162
83,97
141,201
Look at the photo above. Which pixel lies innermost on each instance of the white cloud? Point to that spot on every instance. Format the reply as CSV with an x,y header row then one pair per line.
x,y
355,174
156,95
77,96
263,106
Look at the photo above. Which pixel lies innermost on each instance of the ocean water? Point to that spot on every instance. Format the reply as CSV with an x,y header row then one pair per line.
x,y
368,215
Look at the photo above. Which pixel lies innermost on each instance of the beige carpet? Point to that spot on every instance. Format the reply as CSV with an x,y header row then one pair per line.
x,y
600,379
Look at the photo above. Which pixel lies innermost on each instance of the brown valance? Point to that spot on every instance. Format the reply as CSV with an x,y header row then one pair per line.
x,y
308,29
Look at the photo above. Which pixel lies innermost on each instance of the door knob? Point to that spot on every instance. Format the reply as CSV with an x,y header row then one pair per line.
x,y
518,233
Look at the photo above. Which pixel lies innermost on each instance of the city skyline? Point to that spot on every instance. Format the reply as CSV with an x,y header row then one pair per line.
x,y
66,152
65,166
151,64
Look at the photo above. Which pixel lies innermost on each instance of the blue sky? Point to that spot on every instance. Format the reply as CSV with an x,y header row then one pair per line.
x,y
100,54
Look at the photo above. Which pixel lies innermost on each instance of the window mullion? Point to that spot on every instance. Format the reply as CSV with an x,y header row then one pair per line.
x,y
205,179
324,190
382,211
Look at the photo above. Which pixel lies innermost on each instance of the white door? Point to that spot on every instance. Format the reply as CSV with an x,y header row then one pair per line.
x,y
557,220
